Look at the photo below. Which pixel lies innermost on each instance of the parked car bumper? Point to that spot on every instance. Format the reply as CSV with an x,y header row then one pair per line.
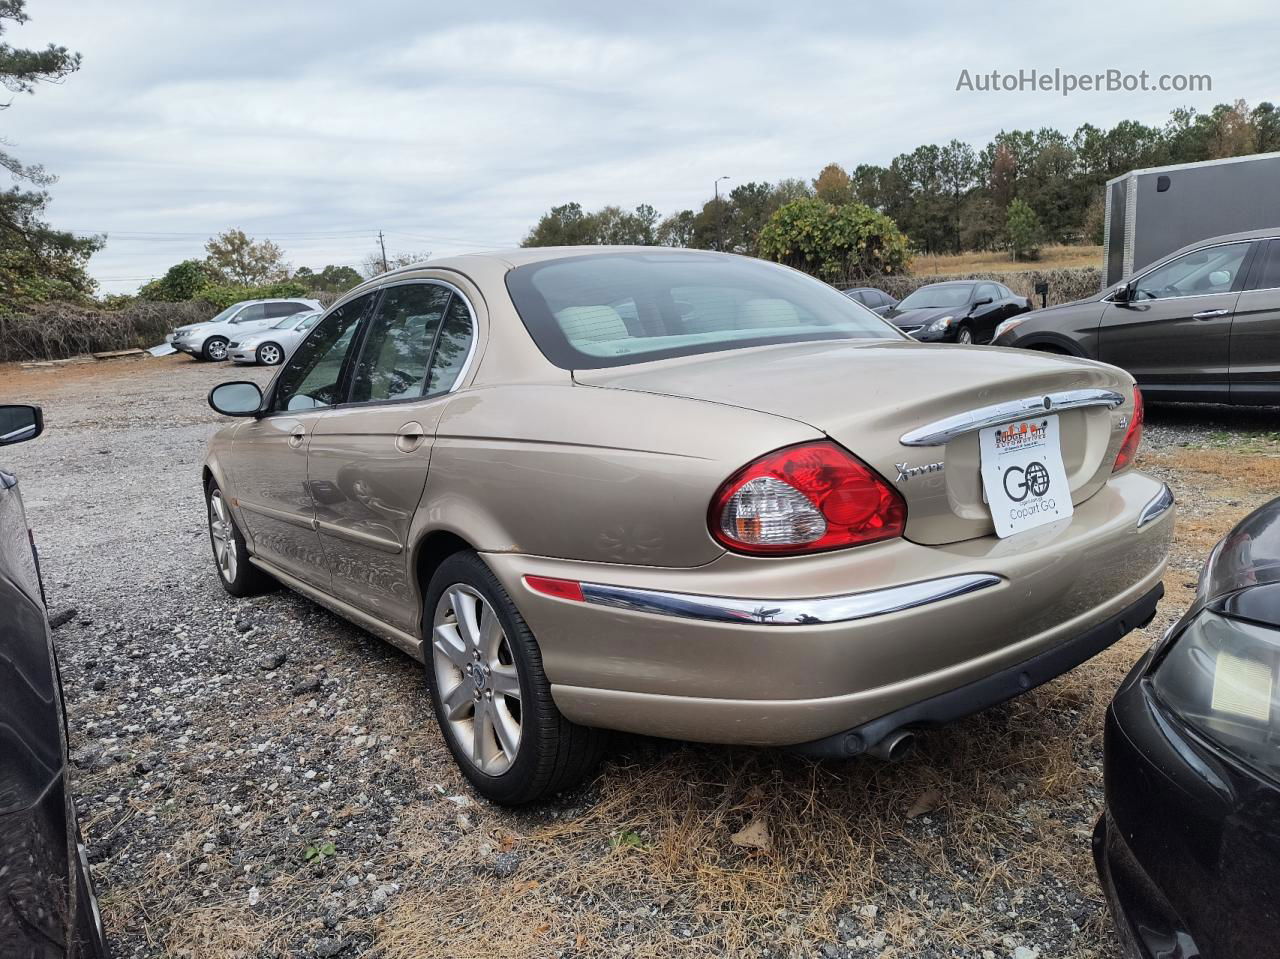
x,y
240,355
783,652
1187,850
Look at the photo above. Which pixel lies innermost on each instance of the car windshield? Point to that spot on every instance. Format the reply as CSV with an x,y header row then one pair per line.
x,y
227,313
600,310
289,322
932,297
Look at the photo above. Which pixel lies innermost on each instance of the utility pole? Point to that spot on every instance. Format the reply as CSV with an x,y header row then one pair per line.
x,y
382,243
719,216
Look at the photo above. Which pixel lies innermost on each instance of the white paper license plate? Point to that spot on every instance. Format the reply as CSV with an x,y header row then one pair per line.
x,y
1022,474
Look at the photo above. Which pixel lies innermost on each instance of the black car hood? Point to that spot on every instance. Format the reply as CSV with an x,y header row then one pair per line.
x,y
1248,556
911,319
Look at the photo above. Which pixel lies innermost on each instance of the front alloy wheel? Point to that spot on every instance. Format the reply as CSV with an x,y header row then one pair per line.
x,y
476,675
239,577
964,336
215,348
269,354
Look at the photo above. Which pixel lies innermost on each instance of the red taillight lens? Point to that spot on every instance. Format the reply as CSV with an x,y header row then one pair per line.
x,y
1133,438
803,499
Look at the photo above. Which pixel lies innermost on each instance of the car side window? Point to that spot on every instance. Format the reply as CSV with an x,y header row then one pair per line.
x,y
1268,276
1214,270
395,359
255,311
876,299
452,347
277,310
312,376
987,291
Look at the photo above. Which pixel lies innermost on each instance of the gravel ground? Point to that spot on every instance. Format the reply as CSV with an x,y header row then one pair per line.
x,y
258,778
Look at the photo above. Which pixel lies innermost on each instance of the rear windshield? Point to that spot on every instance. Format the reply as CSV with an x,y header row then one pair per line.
x,y
594,311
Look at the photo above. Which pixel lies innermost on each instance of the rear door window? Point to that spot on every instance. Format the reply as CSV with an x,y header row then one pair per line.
x,y
255,311
1267,276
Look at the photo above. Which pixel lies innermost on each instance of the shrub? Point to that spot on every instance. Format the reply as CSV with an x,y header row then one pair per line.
x,y
827,241
223,295
1023,228
51,331
1065,285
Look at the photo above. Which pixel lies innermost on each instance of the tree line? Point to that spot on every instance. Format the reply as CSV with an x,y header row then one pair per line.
x,y
1023,188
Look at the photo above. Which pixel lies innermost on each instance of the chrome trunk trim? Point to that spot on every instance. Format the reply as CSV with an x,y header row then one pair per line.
x,y
787,612
940,432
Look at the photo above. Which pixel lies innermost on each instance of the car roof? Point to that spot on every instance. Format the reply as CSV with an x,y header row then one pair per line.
x,y
929,286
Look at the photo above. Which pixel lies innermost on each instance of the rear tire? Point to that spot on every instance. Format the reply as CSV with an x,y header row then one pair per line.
x,y
238,576
270,354
215,348
483,665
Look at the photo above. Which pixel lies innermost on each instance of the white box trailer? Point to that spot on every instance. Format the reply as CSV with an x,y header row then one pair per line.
x,y
1152,212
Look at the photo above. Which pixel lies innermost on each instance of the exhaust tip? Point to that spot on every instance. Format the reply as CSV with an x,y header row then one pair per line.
x,y
895,747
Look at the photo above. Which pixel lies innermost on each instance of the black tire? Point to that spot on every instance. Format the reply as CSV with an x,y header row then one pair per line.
x,y
214,349
554,754
247,579
264,352
964,335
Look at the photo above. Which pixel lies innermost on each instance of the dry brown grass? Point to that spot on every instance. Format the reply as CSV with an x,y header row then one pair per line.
x,y
1051,258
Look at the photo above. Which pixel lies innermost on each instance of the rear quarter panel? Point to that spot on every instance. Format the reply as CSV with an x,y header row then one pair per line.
x,y
591,474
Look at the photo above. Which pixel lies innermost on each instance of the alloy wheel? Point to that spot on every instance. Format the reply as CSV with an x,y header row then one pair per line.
x,y
477,679
217,349
964,336
269,354
224,537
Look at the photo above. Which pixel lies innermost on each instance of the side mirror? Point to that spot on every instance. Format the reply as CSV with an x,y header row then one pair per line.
x,y
241,398
983,302
1123,294
19,423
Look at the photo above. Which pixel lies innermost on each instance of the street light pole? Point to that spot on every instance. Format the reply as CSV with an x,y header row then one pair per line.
x,y
719,216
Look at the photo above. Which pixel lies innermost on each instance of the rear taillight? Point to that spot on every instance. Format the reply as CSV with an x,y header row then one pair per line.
x,y
1133,437
803,499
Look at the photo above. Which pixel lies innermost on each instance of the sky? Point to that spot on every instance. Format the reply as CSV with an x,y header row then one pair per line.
x,y
452,127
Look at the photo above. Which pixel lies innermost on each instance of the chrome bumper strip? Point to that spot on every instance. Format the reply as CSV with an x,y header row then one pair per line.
x,y
1159,504
941,432
788,612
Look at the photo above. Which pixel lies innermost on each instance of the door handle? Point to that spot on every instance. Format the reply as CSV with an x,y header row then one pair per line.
x,y
1209,314
409,437
298,436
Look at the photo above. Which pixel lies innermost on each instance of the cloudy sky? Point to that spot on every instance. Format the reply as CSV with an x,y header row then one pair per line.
x,y
452,126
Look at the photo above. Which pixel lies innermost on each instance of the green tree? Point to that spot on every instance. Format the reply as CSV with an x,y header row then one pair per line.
x,y
834,243
1023,227
676,229
564,225
372,265
244,261
330,279
182,281
37,262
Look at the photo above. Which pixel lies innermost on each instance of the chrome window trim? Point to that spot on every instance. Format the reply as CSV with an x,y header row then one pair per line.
x,y
1173,259
1160,504
940,432
787,612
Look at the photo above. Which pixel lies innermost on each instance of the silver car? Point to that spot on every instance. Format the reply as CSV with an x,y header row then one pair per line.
x,y
274,345
209,340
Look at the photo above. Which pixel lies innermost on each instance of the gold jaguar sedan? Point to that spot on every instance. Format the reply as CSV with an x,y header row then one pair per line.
x,y
684,494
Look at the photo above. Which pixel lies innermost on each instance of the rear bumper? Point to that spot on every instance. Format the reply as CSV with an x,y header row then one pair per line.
x,y
773,682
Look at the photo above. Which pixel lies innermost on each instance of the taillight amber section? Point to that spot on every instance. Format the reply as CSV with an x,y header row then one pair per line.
x,y
805,499
1133,437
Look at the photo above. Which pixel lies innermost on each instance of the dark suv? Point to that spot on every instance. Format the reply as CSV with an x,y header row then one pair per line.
x,y
1202,324
47,906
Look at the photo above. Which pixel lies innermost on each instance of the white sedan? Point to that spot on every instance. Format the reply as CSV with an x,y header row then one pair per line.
x,y
271,347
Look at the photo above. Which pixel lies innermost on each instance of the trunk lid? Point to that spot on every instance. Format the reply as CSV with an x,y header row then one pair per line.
x,y
867,395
